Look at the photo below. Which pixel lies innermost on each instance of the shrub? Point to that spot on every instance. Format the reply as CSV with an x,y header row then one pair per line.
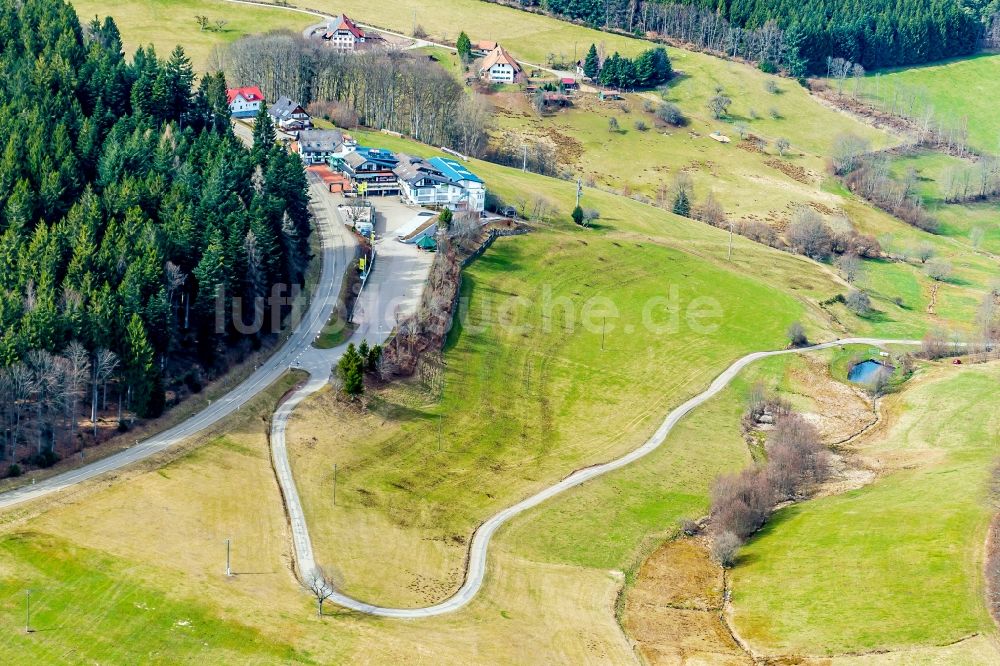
x,y
192,382
45,459
934,345
710,212
774,113
741,503
14,470
797,334
671,114
809,235
859,303
924,252
577,215
760,232
771,86
613,124
688,526
795,456
725,549
939,270
641,125
768,67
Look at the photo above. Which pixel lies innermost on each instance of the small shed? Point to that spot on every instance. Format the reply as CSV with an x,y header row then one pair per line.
x,y
568,83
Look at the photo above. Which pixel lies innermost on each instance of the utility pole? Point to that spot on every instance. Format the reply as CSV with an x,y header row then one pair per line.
x,y
229,569
524,164
579,190
335,484
730,258
27,611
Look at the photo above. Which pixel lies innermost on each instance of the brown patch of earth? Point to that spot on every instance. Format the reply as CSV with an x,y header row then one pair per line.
x,y
793,171
673,610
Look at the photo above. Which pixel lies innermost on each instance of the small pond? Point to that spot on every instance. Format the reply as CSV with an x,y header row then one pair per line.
x,y
866,371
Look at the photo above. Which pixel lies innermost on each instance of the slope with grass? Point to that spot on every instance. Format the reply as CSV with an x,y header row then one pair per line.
x,y
958,220
912,541
526,395
166,23
959,92
134,572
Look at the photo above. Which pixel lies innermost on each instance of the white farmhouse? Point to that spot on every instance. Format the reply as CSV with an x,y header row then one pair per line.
x,y
343,34
500,67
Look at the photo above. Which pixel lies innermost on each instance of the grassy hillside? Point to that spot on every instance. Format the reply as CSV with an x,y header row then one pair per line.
x,y
959,91
913,539
958,221
133,572
527,394
166,23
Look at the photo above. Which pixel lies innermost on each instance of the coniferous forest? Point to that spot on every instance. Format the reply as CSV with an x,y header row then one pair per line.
x,y
130,217
800,36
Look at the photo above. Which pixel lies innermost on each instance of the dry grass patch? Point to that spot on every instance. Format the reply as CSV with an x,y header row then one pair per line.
x,y
672,611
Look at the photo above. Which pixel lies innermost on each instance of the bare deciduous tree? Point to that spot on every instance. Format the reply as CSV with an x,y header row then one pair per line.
x,y
321,587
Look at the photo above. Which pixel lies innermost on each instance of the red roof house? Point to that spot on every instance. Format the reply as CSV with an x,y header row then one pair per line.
x,y
343,34
244,102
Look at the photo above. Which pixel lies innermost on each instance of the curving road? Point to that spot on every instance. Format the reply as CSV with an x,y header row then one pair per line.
x,y
336,242
476,562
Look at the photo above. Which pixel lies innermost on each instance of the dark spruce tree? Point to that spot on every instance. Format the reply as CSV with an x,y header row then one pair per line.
x,y
130,218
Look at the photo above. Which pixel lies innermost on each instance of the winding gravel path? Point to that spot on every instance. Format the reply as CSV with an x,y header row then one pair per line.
x,y
478,549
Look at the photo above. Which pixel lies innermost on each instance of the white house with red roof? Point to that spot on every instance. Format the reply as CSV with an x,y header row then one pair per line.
x,y
245,102
343,34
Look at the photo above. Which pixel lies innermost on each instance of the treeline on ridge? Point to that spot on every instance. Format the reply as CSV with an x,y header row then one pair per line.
x,y
799,36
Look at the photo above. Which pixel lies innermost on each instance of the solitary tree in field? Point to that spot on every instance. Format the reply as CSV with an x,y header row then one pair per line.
x,y
782,145
682,204
464,48
202,22
719,105
322,588
577,215
924,252
859,303
612,124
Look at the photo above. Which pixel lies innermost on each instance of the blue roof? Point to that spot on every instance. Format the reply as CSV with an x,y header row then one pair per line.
x,y
453,170
376,154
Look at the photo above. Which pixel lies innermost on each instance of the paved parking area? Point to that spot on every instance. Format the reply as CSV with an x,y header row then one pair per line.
x,y
397,279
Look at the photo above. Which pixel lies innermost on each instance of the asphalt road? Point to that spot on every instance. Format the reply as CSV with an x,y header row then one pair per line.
x,y
476,563
336,242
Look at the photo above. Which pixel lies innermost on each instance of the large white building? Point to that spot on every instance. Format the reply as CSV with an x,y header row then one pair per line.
x,y
343,34
499,66
440,182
